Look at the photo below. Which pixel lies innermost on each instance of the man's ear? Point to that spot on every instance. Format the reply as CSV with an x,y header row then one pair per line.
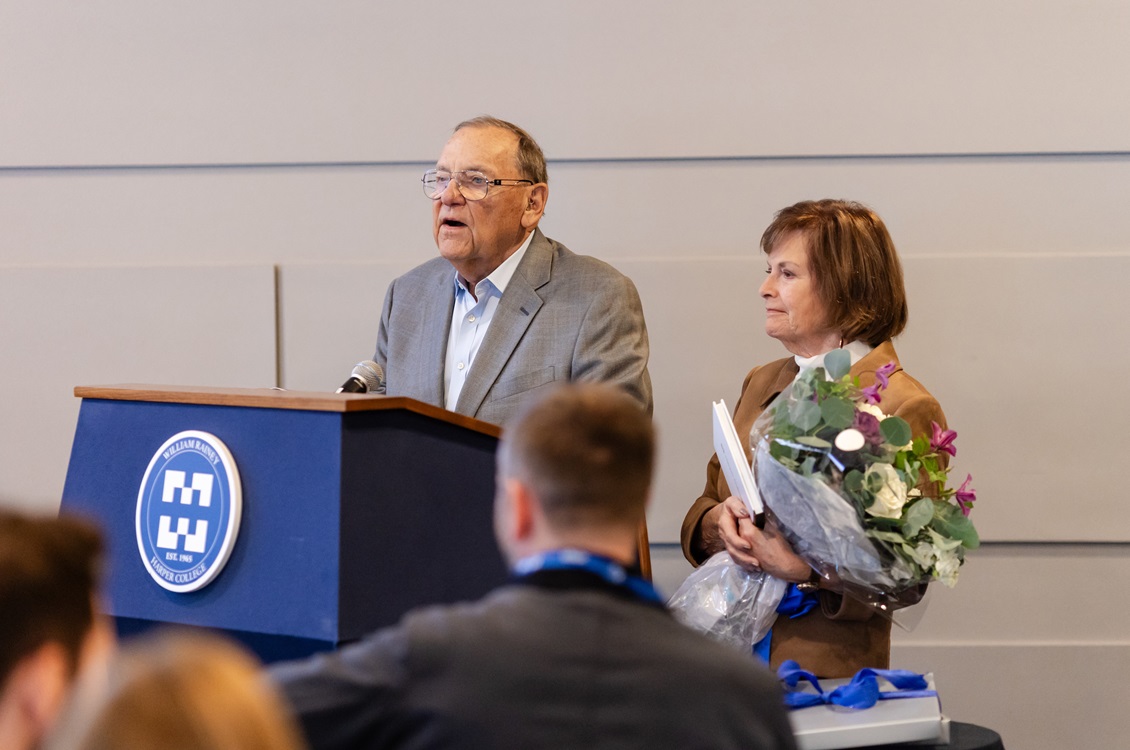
x,y
38,686
519,510
535,206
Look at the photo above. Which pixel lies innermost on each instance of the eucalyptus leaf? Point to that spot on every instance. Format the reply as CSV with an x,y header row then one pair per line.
x,y
837,413
917,516
837,363
895,431
803,389
805,414
780,451
950,521
853,481
813,441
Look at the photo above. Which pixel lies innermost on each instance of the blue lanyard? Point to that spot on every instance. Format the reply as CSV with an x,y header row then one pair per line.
x,y
577,559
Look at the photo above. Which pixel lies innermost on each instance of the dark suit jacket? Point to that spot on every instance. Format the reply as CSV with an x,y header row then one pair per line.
x,y
841,637
563,317
557,662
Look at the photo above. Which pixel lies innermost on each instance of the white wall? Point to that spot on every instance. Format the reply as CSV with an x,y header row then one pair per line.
x,y
218,194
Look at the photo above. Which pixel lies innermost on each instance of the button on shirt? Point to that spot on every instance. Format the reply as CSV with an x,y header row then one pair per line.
x,y
470,320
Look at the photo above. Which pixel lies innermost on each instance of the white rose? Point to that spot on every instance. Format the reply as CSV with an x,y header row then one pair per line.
x,y
873,410
945,568
923,554
891,496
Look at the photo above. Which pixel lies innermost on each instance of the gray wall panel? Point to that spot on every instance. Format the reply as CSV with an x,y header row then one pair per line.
x,y
211,82
1025,354
63,327
674,210
328,320
168,216
1038,696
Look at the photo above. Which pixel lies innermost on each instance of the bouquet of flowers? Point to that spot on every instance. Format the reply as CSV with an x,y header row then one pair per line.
x,y
865,505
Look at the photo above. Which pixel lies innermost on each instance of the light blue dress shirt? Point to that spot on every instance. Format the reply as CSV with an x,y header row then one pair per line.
x,y
470,320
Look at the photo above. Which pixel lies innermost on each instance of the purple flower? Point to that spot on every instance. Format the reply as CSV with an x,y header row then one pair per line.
x,y
965,497
883,373
942,440
882,378
868,426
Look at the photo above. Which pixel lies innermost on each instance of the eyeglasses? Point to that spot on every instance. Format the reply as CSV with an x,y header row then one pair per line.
x,y
471,185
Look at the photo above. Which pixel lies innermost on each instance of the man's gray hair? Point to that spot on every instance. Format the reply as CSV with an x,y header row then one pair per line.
x,y
531,160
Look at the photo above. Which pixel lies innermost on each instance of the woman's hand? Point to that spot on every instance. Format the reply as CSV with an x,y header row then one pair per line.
x,y
728,526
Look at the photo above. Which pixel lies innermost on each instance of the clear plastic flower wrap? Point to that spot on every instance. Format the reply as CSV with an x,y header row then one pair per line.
x,y
727,602
863,503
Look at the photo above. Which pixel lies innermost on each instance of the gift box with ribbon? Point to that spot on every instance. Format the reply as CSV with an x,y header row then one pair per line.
x,y
875,707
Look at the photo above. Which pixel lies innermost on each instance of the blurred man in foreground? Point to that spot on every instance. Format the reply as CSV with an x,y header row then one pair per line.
x,y
50,628
573,651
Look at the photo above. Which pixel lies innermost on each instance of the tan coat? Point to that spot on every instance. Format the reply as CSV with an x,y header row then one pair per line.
x,y
841,636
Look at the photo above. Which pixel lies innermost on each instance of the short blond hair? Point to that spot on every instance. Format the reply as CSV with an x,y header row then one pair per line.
x,y
180,691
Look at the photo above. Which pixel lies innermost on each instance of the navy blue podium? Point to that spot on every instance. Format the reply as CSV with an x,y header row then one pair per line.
x,y
356,508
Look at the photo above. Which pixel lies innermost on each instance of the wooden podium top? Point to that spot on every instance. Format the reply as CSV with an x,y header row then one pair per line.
x,y
272,398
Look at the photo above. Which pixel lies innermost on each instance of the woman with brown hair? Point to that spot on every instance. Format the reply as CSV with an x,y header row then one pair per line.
x,y
833,281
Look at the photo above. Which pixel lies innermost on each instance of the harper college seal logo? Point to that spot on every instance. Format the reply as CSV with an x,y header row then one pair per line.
x,y
188,511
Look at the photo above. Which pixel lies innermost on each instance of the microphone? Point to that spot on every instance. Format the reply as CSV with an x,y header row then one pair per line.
x,y
367,377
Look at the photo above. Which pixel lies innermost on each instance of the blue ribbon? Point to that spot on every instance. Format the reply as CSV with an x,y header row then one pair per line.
x,y
795,603
862,692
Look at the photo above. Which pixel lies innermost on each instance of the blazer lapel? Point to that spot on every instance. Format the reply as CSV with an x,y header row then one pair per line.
x,y
431,355
516,310
865,368
785,375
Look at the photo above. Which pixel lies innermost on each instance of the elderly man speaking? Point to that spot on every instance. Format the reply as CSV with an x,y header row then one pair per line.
x,y
505,310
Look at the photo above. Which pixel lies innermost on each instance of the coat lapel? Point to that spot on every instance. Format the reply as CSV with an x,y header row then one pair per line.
x,y
516,310
785,375
876,358
431,357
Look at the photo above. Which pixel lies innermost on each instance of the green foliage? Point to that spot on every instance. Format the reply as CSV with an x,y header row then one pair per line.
x,y
837,414
805,414
837,363
895,431
951,522
920,513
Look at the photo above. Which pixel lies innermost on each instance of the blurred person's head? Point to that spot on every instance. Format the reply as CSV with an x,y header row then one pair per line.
x,y
574,470
179,691
50,627
834,277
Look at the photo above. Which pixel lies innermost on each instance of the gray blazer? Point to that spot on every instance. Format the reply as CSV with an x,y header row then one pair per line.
x,y
531,667
563,317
